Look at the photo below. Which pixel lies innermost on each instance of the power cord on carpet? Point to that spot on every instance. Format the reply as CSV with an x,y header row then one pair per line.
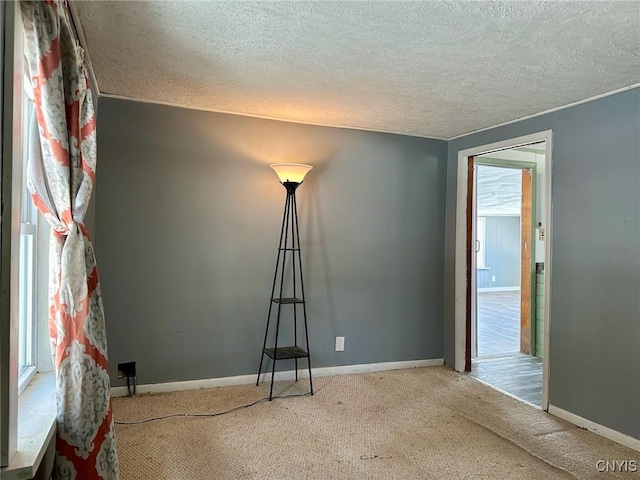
x,y
240,407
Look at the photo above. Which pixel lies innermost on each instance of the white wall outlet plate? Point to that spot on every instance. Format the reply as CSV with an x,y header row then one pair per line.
x,y
339,344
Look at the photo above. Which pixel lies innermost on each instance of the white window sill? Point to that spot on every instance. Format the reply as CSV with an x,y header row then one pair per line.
x,y
36,426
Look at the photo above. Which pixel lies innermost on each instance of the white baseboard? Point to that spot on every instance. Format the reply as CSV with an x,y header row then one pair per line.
x,y
499,289
614,435
266,377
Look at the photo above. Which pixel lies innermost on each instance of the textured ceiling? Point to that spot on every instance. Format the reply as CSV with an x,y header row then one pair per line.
x,y
435,68
499,189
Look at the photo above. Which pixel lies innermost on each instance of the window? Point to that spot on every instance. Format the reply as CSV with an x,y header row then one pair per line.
x,y
21,297
27,312
480,242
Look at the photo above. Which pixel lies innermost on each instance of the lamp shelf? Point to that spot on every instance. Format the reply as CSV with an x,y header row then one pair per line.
x,y
287,300
284,353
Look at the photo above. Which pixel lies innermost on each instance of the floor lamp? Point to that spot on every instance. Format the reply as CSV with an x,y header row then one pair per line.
x,y
290,176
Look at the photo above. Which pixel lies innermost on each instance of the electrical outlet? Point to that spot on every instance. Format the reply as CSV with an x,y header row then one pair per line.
x,y
493,278
127,369
339,344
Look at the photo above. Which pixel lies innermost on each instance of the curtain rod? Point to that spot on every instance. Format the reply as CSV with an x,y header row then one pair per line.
x,y
77,26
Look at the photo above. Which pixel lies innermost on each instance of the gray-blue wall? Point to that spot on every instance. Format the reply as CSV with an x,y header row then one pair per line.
x,y
594,347
187,208
502,253
187,220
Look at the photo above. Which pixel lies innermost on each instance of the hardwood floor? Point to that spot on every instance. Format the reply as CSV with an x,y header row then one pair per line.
x,y
498,323
519,374
499,361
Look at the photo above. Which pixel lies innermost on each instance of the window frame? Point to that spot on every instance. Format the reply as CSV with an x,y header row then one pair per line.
x,y
16,224
20,220
10,230
28,269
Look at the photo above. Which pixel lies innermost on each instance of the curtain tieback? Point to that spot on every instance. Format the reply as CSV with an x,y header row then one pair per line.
x,y
65,232
73,275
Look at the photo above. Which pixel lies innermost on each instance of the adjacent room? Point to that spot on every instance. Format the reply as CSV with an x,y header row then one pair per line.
x,y
508,306
351,240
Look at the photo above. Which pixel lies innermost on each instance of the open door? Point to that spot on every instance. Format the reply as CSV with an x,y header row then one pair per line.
x,y
526,222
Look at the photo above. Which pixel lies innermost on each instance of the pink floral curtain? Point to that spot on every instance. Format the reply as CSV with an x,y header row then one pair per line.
x,y
61,172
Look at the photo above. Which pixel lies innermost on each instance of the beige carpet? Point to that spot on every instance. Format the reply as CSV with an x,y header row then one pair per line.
x,y
424,423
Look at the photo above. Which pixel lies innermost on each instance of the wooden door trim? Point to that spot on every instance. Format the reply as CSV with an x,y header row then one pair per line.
x,y
526,238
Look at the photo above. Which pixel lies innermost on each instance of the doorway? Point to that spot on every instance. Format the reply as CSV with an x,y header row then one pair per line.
x,y
506,310
503,330
502,217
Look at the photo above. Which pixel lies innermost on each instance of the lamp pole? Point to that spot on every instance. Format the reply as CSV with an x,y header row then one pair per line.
x,y
291,176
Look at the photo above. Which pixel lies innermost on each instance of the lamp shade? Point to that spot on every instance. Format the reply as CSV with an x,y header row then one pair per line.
x,y
291,172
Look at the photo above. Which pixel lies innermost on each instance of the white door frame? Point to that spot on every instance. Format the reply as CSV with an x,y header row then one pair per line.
x,y
460,274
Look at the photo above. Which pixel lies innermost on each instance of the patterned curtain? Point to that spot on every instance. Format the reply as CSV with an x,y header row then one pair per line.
x,y
61,172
